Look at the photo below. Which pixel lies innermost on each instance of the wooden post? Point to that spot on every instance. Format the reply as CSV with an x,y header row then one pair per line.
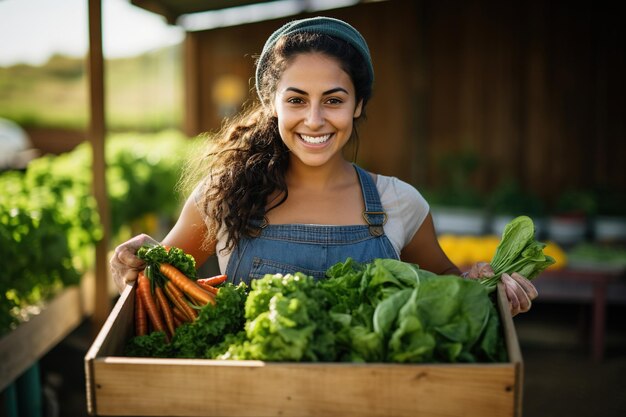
x,y
97,131
192,84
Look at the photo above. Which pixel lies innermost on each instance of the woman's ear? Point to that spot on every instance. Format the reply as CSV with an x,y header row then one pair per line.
x,y
358,109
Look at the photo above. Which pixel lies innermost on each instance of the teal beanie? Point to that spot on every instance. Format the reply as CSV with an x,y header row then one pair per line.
x,y
323,25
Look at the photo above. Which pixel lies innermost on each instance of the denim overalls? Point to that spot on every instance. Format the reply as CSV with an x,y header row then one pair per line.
x,y
312,248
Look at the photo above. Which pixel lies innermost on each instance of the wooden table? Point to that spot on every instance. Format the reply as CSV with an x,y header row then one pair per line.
x,y
586,283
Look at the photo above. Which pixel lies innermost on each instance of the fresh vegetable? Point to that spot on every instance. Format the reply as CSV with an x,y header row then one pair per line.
x,y
165,310
168,296
210,335
177,297
212,281
141,320
151,307
158,254
179,315
383,311
208,288
518,251
185,284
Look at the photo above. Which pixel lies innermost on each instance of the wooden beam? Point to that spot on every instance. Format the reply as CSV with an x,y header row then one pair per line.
x,y
193,94
97,131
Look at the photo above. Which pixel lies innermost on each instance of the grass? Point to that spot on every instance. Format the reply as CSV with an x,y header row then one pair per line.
x,y
142,93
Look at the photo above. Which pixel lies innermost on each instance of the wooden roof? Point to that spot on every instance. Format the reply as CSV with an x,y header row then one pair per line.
x,y
172,9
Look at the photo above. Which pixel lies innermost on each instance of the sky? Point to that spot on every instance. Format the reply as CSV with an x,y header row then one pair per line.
x,y
33,30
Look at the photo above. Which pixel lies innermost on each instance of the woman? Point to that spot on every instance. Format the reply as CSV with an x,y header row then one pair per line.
x,y
277,194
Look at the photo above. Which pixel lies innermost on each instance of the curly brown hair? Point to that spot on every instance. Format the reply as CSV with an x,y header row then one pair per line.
x,y
246,160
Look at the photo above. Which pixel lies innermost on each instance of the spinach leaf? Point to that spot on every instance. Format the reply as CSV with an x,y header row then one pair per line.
x,y
518,251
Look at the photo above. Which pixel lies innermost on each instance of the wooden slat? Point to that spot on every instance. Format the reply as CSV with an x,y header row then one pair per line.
x,y
34,338
110,340
250,388
512,346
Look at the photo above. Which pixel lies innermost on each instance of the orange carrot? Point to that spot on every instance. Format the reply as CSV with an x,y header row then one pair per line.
x,y
165,308
150,305
181,303
178,302
185,284
180,315
141,321
207,287
177,322
213,281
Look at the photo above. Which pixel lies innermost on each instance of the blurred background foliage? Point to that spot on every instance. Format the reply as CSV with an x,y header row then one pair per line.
x,y
49,220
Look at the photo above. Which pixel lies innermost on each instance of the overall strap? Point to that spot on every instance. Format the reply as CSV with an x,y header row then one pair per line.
x,y
374,213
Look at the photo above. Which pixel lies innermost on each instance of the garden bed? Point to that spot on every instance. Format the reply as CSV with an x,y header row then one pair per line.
x,y
22,347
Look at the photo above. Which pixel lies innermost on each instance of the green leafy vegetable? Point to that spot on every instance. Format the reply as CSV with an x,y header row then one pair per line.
x,y
518,251
158,254
383,311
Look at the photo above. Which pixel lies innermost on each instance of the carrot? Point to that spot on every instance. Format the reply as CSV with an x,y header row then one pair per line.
x,y
165,308
177,322
174,299
187,286
180,315
213,281
141,321
150,305
179,300
208,287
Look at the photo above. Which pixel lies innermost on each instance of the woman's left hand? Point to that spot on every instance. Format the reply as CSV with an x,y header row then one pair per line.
x,y
519,290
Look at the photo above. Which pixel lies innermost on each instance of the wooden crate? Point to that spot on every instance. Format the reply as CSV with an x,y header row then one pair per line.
x,y
122,386
22,347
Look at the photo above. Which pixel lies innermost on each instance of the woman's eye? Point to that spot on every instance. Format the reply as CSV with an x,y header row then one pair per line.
x,y
295,100
334,101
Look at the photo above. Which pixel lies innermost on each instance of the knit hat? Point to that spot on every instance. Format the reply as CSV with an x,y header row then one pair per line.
x,y
323,25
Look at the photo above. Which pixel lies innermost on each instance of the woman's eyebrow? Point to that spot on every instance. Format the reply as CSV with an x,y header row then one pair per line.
x,y
325,93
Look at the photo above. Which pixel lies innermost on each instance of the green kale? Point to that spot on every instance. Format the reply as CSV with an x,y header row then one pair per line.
x,y
152,345
214,323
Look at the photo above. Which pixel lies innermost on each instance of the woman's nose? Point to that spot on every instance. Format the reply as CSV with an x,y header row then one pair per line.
x,y
314,117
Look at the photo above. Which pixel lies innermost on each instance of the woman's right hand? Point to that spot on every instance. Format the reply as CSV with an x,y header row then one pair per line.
x,y
125,265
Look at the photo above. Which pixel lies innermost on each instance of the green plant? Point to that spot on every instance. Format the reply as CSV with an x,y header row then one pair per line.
x,y
49,221
456,169
575,202
47,225
509,199
610,201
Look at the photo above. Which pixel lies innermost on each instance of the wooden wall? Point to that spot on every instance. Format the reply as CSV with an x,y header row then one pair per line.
x,y
535,88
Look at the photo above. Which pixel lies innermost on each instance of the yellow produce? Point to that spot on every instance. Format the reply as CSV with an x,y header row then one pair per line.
x,y
467,250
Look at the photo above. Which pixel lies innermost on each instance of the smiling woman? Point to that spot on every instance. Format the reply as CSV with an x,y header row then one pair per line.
x,y
274,192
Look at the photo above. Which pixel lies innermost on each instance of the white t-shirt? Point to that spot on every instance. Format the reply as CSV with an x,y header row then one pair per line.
x,y
406,210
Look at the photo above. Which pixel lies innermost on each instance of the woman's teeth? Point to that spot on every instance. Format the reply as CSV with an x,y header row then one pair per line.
x,y
315,139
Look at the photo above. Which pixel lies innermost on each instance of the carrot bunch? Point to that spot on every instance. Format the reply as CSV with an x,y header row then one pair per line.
x,y
166,297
